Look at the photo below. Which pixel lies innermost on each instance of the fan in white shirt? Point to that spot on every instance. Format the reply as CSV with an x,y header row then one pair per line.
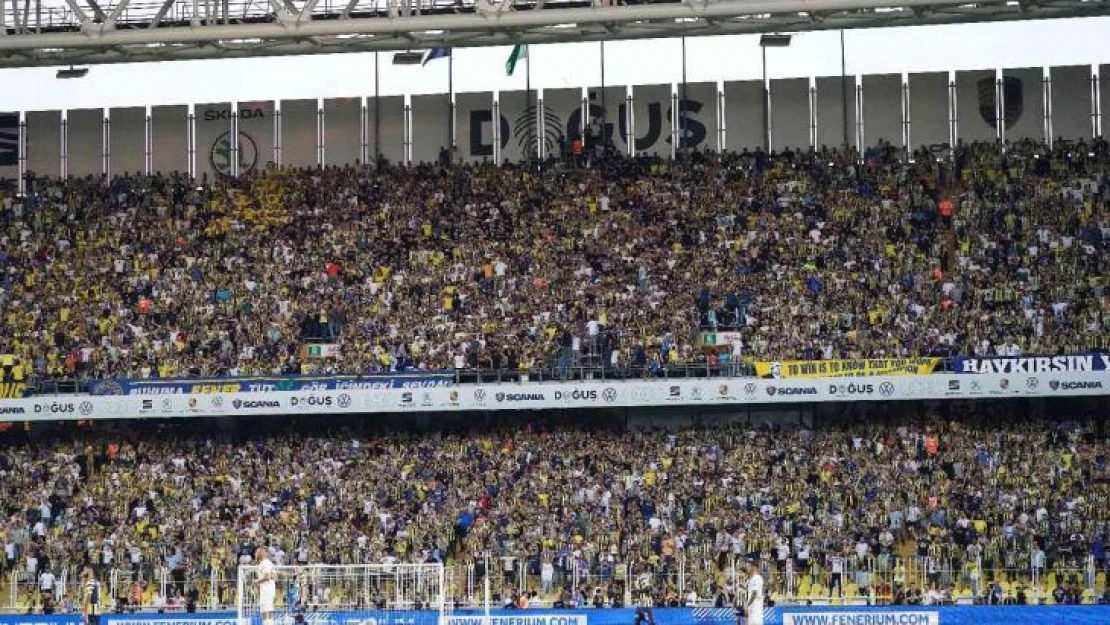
x,y
267,585
753,606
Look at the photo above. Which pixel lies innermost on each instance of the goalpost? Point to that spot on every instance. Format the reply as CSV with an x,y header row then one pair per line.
x,y
401,594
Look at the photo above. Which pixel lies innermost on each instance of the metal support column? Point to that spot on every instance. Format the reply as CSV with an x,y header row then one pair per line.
x,y
377,112
63,166
676,133
148,142
953,116
277,134
495,121
363,133
907,145
105,143
1096,106
1046,98
722,124
630,121
321,126
860,130
21,146
233,141
999,109
541,136
766,103
812,91
683,138
844,93
191,141
407,117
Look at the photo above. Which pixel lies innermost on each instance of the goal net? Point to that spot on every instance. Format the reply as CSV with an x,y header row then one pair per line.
x,y
385,594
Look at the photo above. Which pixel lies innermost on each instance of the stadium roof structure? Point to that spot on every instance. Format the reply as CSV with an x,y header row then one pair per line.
x,y
66,32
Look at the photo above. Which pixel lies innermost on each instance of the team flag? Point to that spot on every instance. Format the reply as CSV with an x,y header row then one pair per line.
x,y
519,52
436,53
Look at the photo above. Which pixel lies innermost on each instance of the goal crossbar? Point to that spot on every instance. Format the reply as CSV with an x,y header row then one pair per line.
x,y
420,590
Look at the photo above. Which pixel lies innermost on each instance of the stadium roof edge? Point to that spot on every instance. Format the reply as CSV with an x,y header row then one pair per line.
x,y
76,35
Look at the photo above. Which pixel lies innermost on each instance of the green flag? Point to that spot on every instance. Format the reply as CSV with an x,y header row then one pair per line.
x,y
519,52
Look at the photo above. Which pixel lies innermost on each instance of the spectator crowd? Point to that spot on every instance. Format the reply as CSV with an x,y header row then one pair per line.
x,y
622,264
899,506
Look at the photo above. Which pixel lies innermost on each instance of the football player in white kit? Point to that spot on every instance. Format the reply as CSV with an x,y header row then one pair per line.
x,y
753,604
267,585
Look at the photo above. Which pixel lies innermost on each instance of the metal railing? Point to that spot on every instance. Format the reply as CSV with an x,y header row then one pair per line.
x,y
58,16
870,580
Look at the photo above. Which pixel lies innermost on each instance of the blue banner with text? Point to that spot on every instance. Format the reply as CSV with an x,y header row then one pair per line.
x,y
269,384
1070,363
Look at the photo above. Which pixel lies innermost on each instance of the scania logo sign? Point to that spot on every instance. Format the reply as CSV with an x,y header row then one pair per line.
x,y
501,397
792,390
1079,386
251,404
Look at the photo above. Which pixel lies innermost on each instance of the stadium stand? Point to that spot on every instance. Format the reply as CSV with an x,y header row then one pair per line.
x,y
806,255
998,505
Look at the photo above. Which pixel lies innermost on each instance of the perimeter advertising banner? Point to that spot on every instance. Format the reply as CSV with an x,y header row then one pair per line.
x,y
787,369
389,394
787,615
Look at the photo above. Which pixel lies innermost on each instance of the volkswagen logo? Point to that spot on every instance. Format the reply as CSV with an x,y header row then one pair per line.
x,y
749,388
217,401
886,389
86,408
344,400
609,394
480,395
1032,383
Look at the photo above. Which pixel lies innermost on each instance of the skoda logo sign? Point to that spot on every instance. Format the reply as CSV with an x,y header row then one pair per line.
x,y
220,154
344,400
886,389
609,394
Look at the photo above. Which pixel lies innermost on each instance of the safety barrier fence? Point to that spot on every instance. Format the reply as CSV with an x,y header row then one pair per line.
x,y
712,577
776,615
